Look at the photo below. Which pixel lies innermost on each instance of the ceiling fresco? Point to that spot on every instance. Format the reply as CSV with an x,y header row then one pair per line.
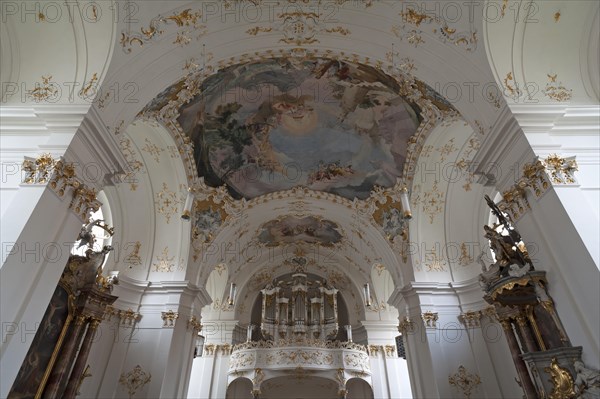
x,y
291,229
275,124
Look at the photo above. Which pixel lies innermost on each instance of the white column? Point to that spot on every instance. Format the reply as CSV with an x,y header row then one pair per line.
x,y
555,239
37,220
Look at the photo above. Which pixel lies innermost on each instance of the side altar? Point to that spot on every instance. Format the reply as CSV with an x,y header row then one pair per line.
x,y
547,364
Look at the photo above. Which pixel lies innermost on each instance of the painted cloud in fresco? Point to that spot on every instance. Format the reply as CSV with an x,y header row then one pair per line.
x,y
326,125
291,229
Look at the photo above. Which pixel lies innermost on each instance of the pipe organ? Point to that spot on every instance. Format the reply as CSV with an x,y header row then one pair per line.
x,y
298,307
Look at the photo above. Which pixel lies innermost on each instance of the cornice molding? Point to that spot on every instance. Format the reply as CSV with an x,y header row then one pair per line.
x,y
504,147
144,287
464,292
93,143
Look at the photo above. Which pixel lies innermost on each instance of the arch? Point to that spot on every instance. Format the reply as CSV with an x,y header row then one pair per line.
x,y
531,74
383,284
249,286
152,190
357,388
75,41
240,388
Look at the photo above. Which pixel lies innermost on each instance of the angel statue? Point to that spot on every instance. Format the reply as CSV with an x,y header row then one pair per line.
x,y
86,237
509,249
587,381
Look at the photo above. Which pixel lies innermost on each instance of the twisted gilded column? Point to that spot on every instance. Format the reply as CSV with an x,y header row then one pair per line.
x,y
515,351
82,356
60,371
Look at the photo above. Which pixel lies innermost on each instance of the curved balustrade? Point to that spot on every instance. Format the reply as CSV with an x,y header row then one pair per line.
x,y
263,360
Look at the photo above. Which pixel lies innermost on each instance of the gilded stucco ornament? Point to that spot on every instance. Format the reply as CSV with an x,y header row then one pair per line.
x,y
129,317
406,325
45,90
133,258
168,202
390,350
564,386
169,318
152,149
464,381
90,89
471,318
556,90
134,380
538,176
164,263
62,178
135,167
194,324
560,169
38,170
510,86
430,319
416,22
432,202
187,19
299,27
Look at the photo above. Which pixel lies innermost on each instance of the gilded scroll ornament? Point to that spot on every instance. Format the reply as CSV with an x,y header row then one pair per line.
x,y
433,263
446,149
38,170
464,381
134,380
258,378
564,386
537,178
153,150
299,28
561,170
134,165
510,85
415,22
188,19
167,202
557,16
134,259
89,89
432,202
465,257
556,90
61,177
164,262
43,91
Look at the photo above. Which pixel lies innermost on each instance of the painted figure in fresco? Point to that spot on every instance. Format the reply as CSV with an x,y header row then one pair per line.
x,y
324,124
291,229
